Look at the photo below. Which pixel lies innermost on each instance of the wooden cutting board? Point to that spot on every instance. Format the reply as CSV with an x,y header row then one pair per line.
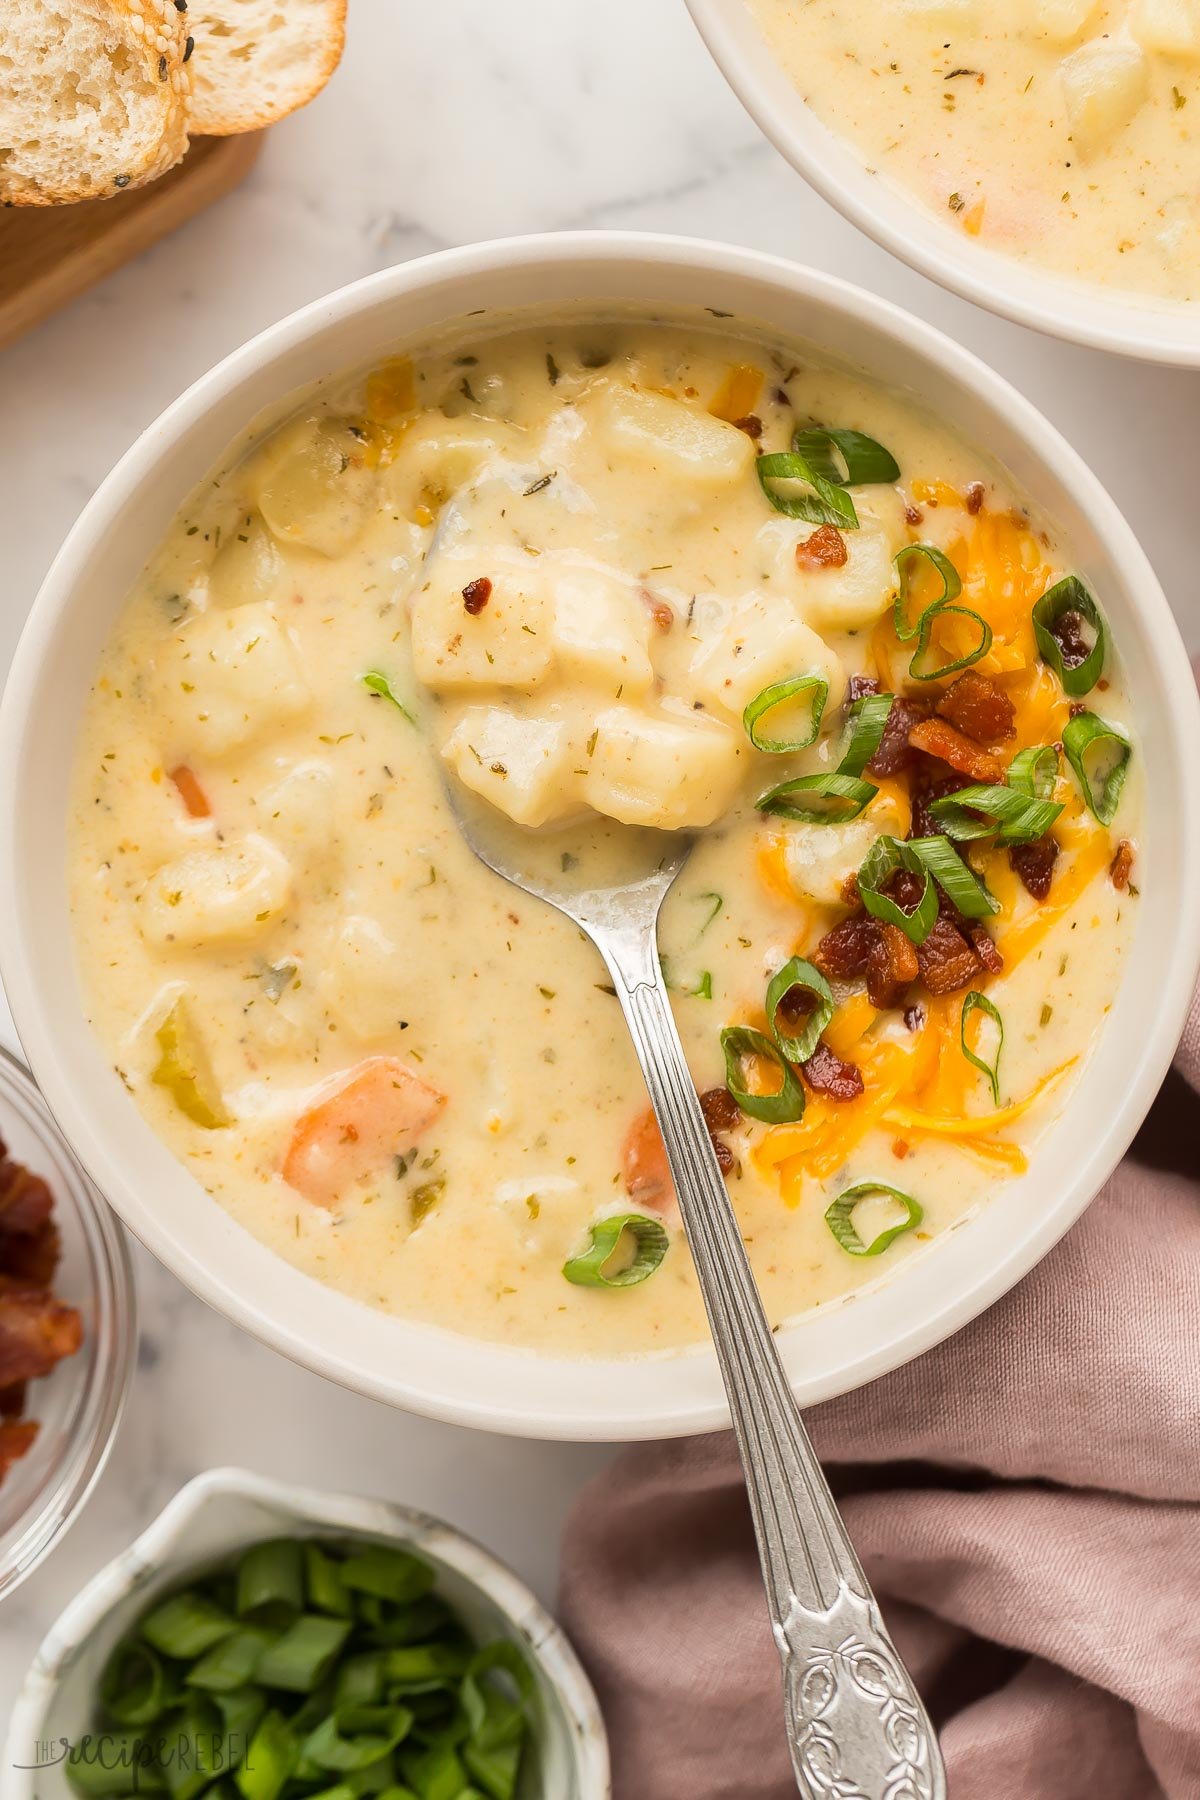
x,y
49,254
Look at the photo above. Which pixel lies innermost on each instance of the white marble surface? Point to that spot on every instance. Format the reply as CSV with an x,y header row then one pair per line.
x,y
454,122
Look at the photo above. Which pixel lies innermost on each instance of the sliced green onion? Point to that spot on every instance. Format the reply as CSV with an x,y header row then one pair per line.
x,y
1034,771
977,1002
1069,595
1087,738
741,1042
811,460
886,857
303,1654
794,974
323,1583
959,883
435,1773
379,684
269,1760
839,1218
866,720
924,634
389,1574
113,1762
815,686
847,795
186,1625
651,1244
133,1686
270,1581
494,1718
1015,817
352,1738
233,1662
914,558
416,1665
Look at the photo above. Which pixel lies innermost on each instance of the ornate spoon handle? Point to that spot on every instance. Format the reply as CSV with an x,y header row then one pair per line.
x,y
856,1726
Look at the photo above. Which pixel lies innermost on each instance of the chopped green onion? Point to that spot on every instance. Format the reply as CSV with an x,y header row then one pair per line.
x,y
839,1218
302,1655
324,1585
867,720
388,1574
977,1002
651,1244
379,684
270,1581
186,1625
1069,595
914,558
1089,738
493,1717
742,1042
959,883
1015,817
847,796
811,461
233,1662
269,1760
939,610
815,686
1034,771
796,973
352,1738
715,905
886,857
113,1762
133,1686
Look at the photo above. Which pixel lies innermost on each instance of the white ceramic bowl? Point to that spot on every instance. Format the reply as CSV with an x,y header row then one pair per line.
x,y
1134,325
415,1365
214,1517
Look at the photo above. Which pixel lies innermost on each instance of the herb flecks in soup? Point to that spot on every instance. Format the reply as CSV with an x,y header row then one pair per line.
x,y
1061,131
612,574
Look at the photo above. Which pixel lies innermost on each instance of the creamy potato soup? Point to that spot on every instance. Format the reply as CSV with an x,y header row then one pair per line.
x,y
607,574
1063,131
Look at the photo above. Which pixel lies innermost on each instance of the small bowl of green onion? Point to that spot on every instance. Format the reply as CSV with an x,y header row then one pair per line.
x,y
260,1642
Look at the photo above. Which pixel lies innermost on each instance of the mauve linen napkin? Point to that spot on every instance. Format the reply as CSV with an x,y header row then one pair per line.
x,y
1026,1501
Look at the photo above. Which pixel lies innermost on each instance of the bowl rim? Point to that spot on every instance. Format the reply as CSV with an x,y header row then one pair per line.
x,y
320,1509
1078,312
696,1401
104,1390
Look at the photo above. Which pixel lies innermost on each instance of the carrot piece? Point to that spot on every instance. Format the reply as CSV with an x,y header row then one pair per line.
x,y
194,798
644,1164
375,1111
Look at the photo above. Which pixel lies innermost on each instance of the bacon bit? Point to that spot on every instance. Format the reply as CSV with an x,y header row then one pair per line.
x,y
826,1073
752,425
725,1156
1075,710
1034,864
946,960
825,549
980,707
859,686
850,893
891,965
899,1148
1121,866
662,615
720,1109
842,953
1069,631
914,1017
895,750
194,798
923,822
25,1200
476,595
938,738
973,497
645,1168
36,1331
985,949
913,514
16,1439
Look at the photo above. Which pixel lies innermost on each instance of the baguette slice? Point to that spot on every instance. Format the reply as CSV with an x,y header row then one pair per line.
x,y
256,60
93,97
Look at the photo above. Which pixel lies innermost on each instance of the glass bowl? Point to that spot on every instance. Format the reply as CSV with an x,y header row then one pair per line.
x,y
78,1405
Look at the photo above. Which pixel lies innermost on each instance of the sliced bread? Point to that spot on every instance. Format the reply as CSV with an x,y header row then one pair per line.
x,y
93,97
256,60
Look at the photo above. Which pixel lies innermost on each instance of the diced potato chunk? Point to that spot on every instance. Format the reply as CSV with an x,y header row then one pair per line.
x,y
601,630
440,456
314,485
663,769
820,858
247,566
301,811
525,767
230,677
1104,82
671,438
854,595
220,895
1167,27
508,643
366,978
1058,20
761,641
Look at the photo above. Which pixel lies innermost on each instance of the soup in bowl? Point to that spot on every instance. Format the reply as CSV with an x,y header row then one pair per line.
x,y
735,565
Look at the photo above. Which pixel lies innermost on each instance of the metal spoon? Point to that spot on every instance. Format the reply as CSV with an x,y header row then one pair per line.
x,y
856,1727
